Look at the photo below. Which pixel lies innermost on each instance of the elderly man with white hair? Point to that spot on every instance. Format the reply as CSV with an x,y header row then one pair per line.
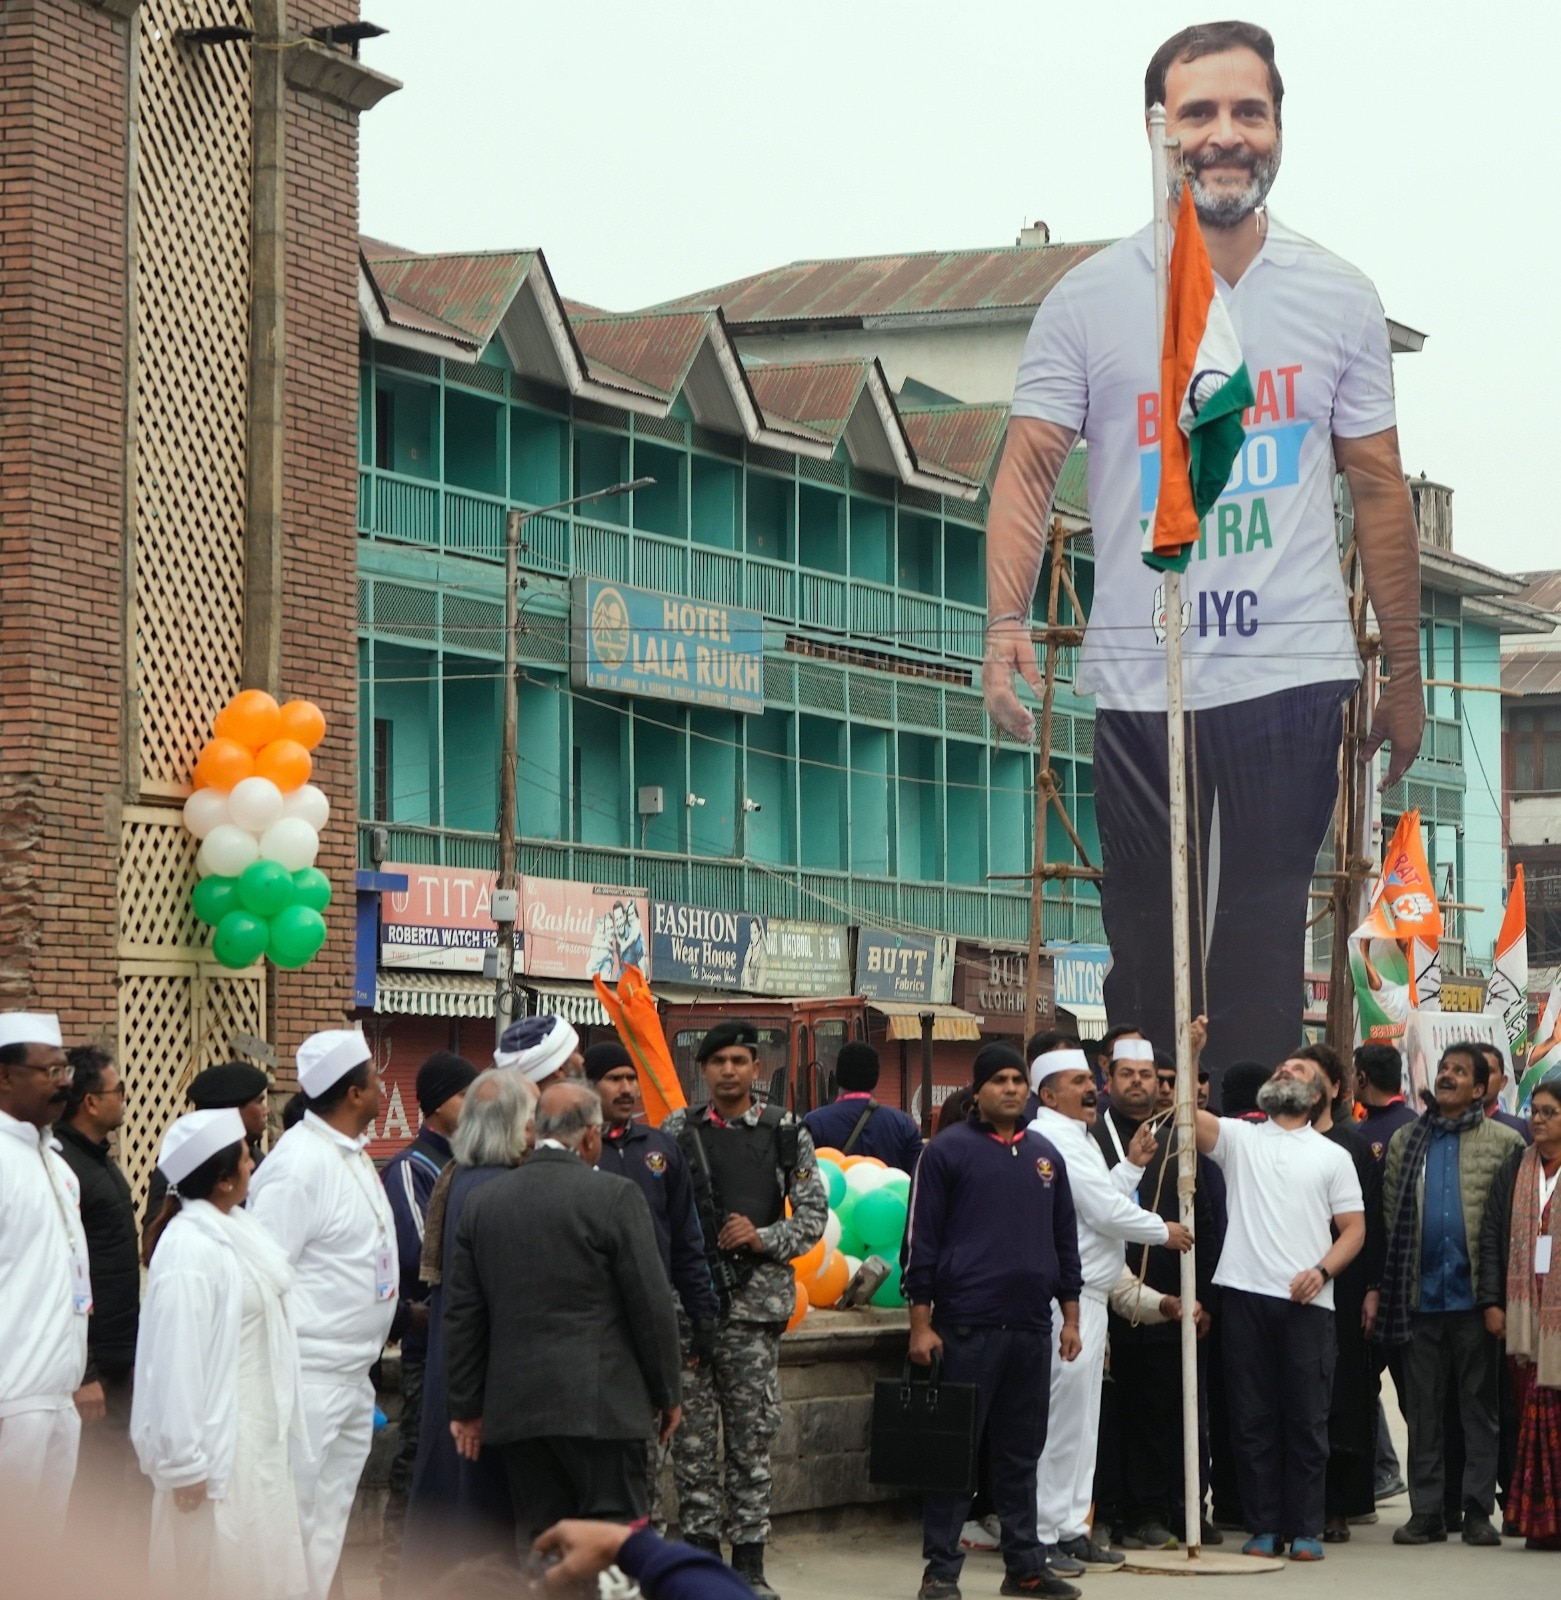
x,y
1107,1217
321,1199
45,1286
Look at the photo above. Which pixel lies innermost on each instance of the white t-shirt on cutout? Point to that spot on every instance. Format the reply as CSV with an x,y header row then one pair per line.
x,y
1286,1185
1264,605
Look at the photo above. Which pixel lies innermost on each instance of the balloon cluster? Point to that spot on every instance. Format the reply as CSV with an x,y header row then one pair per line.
x,y
868,1204
259,819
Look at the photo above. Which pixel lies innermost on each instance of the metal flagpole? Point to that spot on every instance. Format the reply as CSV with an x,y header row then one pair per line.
x,y
1181,945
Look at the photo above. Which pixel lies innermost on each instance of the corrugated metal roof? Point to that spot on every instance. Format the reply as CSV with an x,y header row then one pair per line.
x,y
656,350
819,394
468,292
1543,589
1532,672
965,439
1072,497
859,287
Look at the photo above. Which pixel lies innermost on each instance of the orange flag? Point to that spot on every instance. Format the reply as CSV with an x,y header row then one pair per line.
x,y
634,1015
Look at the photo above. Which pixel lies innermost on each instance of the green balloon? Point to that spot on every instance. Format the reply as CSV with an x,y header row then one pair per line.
x,y
296,936
851,1244
240,939
845,1206
311,888
879,1220
214,898
888,1292
898,1183
834,1178
265,887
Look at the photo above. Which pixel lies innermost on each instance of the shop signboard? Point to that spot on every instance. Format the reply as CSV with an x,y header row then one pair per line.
x,y
904,966
746,954
638,642
803,959
991,982
441,922
1080,975
583,930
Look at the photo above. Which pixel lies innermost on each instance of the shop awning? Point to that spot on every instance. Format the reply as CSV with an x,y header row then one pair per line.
x,y
1087,1016
948,1022
575,1002
433,994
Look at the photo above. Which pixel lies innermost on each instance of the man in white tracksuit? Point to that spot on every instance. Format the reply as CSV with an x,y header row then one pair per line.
x,y
1106,1218
321,1199
45,1290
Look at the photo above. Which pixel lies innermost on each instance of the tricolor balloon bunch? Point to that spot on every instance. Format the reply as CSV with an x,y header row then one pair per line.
x,y
868,1206
259,819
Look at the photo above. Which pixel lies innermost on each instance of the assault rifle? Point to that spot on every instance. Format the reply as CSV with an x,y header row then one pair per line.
x,y
725,1271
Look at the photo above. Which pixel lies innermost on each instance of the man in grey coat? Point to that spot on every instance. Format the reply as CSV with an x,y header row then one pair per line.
x,y
560,1330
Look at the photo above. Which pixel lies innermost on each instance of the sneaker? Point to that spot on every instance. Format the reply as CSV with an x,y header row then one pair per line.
x,y
1477,1529
1425,1527
1084,1549
1306,1550
975,1536
1336,1530
1040,1583
1208,1533
1060,1565
1229,1519
1388,1488
1149,1536
748,1563
1262,1544
938,1589
1365,1520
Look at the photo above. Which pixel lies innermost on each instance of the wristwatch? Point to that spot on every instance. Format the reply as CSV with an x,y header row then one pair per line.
x,y
1327,1275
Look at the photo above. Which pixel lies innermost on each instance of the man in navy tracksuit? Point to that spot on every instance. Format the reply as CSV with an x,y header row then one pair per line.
x,y
855,1124
992,1241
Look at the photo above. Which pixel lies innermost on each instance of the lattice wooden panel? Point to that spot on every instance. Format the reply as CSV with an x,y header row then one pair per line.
x,y
156,874
175,1019
189,384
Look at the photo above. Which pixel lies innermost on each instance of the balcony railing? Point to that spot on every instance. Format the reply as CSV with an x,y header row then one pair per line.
x,y
973,911
461,522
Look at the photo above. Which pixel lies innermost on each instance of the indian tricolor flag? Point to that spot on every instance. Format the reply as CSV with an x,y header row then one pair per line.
x,y
1204,385
1506,990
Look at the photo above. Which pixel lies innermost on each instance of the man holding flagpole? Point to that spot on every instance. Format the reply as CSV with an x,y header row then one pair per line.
x,y
1221,466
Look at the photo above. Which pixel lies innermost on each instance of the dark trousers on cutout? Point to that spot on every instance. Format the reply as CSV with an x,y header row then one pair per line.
x,y
1270,767
1011,1367
1279,1360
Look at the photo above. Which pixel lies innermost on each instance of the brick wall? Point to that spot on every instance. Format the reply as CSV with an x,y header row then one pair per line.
x,y
319,644
62,321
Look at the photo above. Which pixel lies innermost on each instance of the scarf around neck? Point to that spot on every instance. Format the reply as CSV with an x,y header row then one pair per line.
x,y
1399,1273
1533,1319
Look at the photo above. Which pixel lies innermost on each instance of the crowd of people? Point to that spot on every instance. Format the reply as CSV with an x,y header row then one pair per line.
x,y
566,1344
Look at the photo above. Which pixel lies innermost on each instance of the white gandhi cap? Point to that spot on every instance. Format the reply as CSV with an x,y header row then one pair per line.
x,y
327,1058
1055,1061
1132,1050
196,1138
30,1027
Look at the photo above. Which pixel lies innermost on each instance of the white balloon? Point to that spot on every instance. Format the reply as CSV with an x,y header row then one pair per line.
x,y
227,851
255,804
831,1233
204,810
292,842
308,803
853,1265
864,1176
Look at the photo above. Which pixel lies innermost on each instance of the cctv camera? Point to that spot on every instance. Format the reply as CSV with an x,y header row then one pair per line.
x,y
752,805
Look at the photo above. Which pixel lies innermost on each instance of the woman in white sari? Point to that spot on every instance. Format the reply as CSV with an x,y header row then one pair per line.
x,y
216,1379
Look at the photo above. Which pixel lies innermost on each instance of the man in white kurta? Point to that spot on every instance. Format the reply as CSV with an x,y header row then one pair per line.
x,y
45,1288
1107,1217
321,1199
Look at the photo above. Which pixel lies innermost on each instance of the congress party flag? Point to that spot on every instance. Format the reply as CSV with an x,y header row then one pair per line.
x,y
1205,386
1394,953
1506,990
1545,1057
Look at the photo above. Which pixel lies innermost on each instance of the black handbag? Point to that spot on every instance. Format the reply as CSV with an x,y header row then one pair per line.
x,y
924,1433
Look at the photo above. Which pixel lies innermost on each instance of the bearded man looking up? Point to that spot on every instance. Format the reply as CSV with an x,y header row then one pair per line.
x,y
1290,1191
1265,710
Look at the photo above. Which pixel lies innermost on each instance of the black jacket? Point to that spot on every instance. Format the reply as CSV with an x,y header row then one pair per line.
x,y
654,1164
1164,1271
558,1318
1496,1234
108,1218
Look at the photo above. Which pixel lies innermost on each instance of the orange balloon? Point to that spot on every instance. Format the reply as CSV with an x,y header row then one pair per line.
x,y
302,721
250,718
873,1161
829,1154
799,1309
810,1261
825,1288
223,763
286,763
846,1163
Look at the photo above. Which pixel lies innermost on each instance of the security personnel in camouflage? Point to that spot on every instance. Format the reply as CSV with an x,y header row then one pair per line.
x,y
747,1162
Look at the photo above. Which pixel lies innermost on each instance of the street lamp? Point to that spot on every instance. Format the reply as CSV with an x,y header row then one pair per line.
x,y
506,898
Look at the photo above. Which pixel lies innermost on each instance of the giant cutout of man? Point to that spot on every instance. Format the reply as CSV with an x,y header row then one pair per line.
x,y
1269,653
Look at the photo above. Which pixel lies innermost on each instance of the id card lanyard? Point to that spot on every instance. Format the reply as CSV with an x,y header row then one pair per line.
x,y
80,1274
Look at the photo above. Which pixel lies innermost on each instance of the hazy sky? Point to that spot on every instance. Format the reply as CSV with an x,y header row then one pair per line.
x,y
651,150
